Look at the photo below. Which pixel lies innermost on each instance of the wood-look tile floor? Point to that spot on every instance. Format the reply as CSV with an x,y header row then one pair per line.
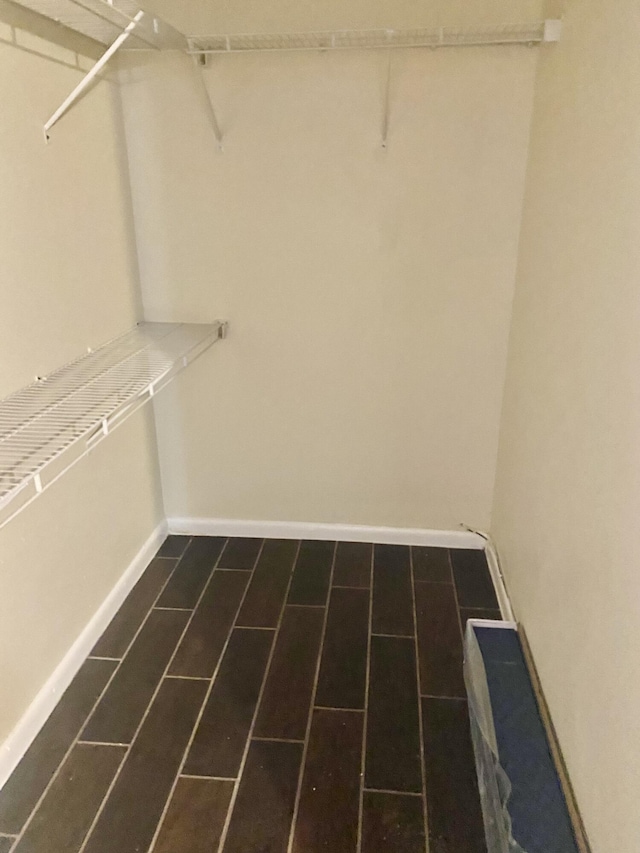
x,y
266,696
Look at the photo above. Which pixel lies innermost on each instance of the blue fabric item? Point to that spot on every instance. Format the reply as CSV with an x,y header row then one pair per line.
x,y
537,806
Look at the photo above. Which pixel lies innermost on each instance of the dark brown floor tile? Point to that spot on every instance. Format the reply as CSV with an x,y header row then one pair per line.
x,y
30,778
312,573
240,553
192,572
122,628
453,804
195,817
343,668
261,819
222,733
120,710
477,613
392,596
392,823
173,546
353,564
473,580
393,735
199,651
5,843
67,812
286,701
439,641
432,565
330,793
265,597
134,807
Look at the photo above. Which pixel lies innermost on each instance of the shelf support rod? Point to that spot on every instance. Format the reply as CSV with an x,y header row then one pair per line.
x,y
66,105
201,62
387,96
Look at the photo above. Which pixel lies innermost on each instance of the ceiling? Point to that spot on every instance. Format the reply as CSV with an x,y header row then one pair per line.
x,y
202,17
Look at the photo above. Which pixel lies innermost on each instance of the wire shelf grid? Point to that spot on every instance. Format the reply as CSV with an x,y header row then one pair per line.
x,y
531,33
47,426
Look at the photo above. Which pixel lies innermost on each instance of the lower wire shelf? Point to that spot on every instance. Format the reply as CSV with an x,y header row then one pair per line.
x,y
48,426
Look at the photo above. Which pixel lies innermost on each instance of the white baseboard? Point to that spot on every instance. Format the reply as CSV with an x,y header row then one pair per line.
x,y
498,580
38,712
336,532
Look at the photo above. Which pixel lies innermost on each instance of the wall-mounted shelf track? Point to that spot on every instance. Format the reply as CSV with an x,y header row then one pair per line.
x,y
48,426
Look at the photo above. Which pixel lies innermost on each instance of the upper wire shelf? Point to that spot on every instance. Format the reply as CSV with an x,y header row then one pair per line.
x,y
48,426
105,20
530,33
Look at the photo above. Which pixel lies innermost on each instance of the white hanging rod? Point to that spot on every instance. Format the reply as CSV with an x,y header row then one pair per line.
x,y
49,426
504,34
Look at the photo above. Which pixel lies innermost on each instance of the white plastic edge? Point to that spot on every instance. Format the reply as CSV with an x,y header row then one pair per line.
x,y
506,608
552,30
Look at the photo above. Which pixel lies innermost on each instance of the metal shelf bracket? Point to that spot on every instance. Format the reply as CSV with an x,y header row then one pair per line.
x,y
66,105
387,98
201,64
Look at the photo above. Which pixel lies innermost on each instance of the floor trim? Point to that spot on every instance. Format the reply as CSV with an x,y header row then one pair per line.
x,y
333,532
36,715
493,561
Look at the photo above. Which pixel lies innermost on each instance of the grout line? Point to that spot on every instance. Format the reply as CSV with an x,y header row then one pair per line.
x,y
278,739
93,708
186,677
252,627
365,722
179,609
213,778
393,636
181,555
386,791
171,559
223,569
453,577
452,698
346,586
457,603
331,708
316,606
101,743
314,690
419,580
206,695
243,761
423,770
101,657
144,717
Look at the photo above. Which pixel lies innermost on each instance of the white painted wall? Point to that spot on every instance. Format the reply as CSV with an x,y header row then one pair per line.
x,y
369,292
254,16
568,486
69,280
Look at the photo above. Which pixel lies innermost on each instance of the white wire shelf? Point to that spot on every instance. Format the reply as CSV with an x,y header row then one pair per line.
x,y
105,20
529,33
48,426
